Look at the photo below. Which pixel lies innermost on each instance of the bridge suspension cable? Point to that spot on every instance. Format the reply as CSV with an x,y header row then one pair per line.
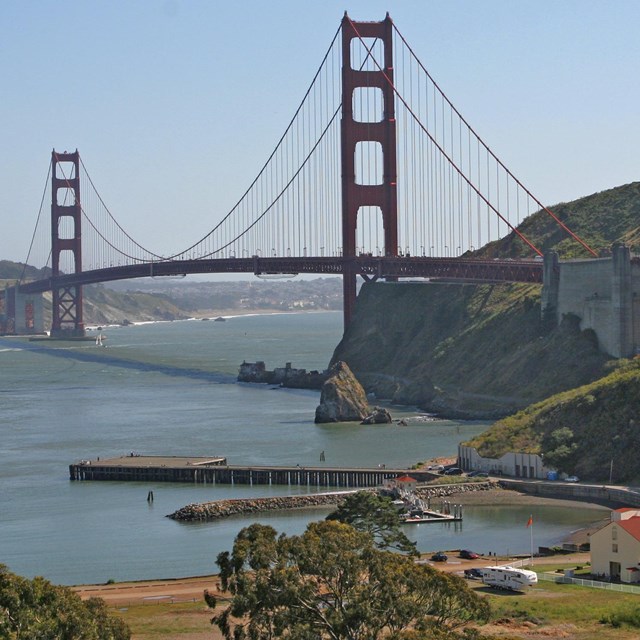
x,y
36,237
300,176
143,254
499,165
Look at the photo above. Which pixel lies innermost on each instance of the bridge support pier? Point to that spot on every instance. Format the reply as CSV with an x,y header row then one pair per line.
x,y
22,314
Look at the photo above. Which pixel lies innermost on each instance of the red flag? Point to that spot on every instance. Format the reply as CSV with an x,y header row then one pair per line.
x,y
530,521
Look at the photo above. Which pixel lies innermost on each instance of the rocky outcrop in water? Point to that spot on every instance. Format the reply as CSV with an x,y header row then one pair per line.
x,y
379,415
286,376
342,398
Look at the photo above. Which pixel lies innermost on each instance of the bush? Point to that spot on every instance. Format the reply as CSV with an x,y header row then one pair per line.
x,y
629,617
38,609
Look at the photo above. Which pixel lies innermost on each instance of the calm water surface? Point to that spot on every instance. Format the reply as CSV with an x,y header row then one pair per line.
x,y
169,389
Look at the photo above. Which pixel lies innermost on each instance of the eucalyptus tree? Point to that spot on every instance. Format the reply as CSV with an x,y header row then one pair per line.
x,y
375,514
333,583
36,608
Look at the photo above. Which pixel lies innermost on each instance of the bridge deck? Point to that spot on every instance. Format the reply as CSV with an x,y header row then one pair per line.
x,y
465,269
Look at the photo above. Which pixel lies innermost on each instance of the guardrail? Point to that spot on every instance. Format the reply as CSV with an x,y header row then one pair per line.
x,y
600,493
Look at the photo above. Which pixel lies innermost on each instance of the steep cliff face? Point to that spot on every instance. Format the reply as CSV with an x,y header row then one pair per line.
x,y
464,350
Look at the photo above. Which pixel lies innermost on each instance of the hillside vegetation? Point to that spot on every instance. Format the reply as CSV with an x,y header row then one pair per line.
x,y
579,431
599,219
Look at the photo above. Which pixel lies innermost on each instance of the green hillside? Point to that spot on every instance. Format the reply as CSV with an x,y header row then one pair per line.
x,y
581,430
12,271
599,219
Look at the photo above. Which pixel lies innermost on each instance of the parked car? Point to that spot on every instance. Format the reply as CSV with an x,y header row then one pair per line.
x,y
453,471
473,574
572,479
436,467
478,474
439,557
468,555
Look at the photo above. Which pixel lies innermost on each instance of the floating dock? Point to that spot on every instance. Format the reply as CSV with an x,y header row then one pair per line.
x,y
435,516
215,470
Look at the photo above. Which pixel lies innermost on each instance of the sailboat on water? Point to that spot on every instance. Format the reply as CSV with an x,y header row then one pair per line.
x,y
100,340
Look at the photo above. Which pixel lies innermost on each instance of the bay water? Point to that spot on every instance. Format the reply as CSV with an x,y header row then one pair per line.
x,y
170,389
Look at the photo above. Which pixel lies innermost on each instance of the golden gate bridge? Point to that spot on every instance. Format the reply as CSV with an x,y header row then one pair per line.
x,y
377,175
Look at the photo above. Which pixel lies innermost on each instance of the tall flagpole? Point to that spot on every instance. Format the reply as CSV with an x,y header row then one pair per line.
x,y
530,527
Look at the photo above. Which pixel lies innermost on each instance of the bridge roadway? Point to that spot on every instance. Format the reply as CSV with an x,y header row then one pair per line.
x,y
370,267
215,470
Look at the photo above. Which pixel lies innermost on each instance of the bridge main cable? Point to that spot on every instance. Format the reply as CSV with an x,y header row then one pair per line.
x,y
489,150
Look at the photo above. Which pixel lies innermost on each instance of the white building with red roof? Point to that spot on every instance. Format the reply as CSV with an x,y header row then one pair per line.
x,y
615,548
403,483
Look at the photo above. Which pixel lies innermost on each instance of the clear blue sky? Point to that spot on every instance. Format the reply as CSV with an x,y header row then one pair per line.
x,y
175,104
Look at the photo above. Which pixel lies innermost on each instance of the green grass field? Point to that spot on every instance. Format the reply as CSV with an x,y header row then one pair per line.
x,y
548,611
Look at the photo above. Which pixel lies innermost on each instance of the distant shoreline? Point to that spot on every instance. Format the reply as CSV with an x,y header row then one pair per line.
x,y
236,313
211,315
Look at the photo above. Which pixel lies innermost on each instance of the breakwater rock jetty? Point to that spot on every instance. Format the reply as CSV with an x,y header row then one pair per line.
x,y
242,506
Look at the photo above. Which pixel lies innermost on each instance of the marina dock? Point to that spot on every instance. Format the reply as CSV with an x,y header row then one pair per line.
x,y
215,470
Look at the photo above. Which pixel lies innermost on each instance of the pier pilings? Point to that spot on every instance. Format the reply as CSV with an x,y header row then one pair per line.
x,y
216,471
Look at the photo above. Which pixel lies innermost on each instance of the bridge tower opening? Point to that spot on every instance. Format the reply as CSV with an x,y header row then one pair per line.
x,y
66,216
365,73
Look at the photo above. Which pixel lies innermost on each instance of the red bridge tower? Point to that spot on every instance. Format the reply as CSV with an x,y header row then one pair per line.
x,y
66,215
383,132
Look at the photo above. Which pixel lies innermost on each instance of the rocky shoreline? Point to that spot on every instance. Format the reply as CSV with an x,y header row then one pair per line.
x,y
217,509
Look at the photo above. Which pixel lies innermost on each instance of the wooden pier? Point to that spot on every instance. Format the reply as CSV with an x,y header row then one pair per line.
x,y
215,470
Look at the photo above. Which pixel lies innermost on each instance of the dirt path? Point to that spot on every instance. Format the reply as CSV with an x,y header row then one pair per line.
x,y
148,591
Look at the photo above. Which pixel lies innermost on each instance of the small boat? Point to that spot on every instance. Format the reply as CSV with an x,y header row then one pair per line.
x,y
100,340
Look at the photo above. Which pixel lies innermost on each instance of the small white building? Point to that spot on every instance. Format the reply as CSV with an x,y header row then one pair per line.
x,y
615,548
512,463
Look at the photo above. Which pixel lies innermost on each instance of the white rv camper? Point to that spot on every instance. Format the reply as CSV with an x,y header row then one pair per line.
x,y
507,577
